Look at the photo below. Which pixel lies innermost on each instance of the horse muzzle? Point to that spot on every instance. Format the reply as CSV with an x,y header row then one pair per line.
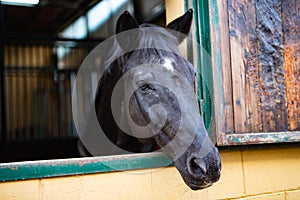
x,y
199,171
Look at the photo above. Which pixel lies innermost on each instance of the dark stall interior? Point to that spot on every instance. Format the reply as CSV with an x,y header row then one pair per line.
x,y
42,47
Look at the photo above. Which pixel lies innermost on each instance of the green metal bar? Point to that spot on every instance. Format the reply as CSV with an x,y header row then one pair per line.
x,y
189,43
206,66
186,5
203,55
197,53
79,166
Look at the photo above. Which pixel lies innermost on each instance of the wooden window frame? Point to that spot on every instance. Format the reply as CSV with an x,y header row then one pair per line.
x,y
220,53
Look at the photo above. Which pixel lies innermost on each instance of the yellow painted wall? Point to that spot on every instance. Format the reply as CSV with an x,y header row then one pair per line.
x,y
174,9
271,174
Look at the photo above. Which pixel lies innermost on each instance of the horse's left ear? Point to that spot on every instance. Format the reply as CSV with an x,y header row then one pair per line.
x,y
181,24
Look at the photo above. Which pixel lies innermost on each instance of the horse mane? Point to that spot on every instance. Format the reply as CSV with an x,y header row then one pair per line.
x,y
150,36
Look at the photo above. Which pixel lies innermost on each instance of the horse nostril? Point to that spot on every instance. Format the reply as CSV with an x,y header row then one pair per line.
x,y
197,166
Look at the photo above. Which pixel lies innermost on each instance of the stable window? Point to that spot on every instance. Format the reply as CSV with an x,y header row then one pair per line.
x,y
37,75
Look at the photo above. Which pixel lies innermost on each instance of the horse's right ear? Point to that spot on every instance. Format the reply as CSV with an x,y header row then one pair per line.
x,y
127,22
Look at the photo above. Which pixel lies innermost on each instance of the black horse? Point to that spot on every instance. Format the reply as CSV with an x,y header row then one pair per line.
x,y
149,91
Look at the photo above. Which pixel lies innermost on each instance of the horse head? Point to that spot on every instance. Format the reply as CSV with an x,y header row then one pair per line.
x,y
156,90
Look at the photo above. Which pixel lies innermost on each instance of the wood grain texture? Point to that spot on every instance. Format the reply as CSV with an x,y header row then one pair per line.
x,y
257,61
271,68
250,60
219,124
260,69
238,75
291,21
225,72
242,24
256,69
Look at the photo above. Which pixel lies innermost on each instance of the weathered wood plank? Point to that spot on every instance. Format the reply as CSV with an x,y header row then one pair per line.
x,y
219,125
242,25
265,69
271,70
253,104
291,21
238,76
226,67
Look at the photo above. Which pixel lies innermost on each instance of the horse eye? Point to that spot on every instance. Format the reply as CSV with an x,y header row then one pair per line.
x,y
145,87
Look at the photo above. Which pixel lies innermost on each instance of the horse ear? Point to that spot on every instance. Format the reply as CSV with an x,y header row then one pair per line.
x,y
181,24
126,22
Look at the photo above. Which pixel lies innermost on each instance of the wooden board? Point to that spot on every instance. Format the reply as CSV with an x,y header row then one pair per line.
x,y
291,22
271,68
260,50
258,66
226,67
246,102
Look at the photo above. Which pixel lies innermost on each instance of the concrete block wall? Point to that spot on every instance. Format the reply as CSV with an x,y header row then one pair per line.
x,y
247,174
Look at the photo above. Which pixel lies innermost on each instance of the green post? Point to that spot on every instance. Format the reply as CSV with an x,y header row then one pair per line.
x,y
203,54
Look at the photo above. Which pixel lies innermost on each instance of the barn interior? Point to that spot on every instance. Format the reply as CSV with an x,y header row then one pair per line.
x,y
41,48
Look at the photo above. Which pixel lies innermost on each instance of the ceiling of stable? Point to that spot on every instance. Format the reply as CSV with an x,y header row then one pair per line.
x,y
49,17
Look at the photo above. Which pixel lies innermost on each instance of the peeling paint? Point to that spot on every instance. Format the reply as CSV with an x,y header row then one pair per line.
x,y
260,138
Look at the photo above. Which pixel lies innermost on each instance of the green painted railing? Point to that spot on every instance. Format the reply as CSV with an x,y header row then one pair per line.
x,y
78,166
